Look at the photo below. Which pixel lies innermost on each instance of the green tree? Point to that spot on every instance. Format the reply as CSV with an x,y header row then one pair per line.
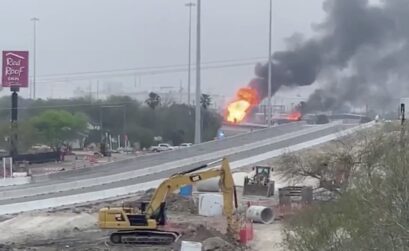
x,y
142,135
27,136
153,100
57,126
175,123
205,101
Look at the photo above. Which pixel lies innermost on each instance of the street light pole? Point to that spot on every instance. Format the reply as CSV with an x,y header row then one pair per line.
x,y
190,5
269,108
198,92
34,20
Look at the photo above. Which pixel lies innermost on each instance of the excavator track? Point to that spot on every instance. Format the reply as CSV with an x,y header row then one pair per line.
x,y
145,237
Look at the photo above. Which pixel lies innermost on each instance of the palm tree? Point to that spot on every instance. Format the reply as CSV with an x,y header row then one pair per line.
x,y
205,101
153,101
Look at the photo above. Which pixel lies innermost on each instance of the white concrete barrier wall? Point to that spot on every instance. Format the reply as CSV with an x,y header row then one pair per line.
x,y
14,181
60,187
121,191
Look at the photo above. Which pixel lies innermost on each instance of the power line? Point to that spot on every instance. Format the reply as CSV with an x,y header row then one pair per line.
x,y
149,67
153,72
114,105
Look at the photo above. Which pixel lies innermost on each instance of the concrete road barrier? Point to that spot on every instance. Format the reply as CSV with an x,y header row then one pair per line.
x,y
15,181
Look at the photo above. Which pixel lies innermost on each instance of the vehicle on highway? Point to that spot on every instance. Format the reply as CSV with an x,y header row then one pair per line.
x,y
316,119
162,147
184,145
321,119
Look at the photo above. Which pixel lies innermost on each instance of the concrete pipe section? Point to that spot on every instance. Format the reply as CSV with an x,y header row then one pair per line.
x,y
210,185
260,214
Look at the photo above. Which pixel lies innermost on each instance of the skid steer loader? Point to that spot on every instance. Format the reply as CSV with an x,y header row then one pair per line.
x,y
260,182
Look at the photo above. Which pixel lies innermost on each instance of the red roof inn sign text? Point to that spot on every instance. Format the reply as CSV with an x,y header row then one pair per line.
x,y
15,69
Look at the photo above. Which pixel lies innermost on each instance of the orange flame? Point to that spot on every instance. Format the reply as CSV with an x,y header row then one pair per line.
x,y
237,110
294,116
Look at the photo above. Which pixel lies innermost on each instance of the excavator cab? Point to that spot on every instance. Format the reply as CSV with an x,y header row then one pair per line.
x,y
123,218
260,182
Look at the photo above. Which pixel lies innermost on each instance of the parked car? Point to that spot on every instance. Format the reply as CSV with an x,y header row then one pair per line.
x,y
162,147
125,150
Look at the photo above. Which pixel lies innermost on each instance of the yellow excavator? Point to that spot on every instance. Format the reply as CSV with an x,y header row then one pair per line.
x,y
143,225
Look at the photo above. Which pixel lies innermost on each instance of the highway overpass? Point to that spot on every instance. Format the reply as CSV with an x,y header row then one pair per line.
x,y
140,173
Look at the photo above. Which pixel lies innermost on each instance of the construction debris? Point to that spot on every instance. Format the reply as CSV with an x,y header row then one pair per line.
x,y
174,202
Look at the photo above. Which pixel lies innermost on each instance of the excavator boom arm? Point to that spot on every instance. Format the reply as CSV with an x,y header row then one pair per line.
x,y
175,182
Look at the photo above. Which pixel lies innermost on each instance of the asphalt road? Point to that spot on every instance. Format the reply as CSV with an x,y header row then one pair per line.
x,y
157,159
160,158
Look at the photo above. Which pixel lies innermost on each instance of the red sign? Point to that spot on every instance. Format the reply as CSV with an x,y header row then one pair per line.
x,y
15,69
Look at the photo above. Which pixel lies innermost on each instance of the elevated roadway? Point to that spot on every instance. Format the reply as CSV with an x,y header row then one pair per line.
x,y
77,186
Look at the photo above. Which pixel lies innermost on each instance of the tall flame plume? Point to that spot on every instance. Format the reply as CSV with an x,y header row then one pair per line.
x,y
237,110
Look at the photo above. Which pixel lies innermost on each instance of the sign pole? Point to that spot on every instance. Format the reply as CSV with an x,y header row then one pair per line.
x,y
11,167
4,168
14,125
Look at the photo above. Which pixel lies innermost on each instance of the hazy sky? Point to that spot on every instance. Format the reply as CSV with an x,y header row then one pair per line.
x,y
104,35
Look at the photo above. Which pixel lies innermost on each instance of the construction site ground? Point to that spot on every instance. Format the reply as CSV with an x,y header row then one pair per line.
x,y
76,229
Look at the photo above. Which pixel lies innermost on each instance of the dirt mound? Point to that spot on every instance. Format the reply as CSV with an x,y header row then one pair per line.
x,y
177,203
217,244
26,226
197,233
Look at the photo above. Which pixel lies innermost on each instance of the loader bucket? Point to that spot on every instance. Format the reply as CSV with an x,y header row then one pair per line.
x,y
256,189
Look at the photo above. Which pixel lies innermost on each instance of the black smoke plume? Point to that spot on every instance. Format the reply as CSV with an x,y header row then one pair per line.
x,y
359,56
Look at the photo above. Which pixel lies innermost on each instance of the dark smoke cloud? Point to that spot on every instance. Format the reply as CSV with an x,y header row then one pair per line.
x,y
360,54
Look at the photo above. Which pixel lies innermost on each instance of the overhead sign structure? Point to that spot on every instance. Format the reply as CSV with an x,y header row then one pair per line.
x,y
15,69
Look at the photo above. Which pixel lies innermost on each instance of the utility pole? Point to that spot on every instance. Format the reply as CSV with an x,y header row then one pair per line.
x,y
189,5
198,92
402,129
269,110
34,20
97,90
124,127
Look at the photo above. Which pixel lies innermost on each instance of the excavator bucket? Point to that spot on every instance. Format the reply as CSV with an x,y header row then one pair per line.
x,y
260,183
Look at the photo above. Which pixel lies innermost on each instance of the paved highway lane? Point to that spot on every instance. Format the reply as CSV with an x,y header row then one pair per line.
x,y
164,174
160,158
